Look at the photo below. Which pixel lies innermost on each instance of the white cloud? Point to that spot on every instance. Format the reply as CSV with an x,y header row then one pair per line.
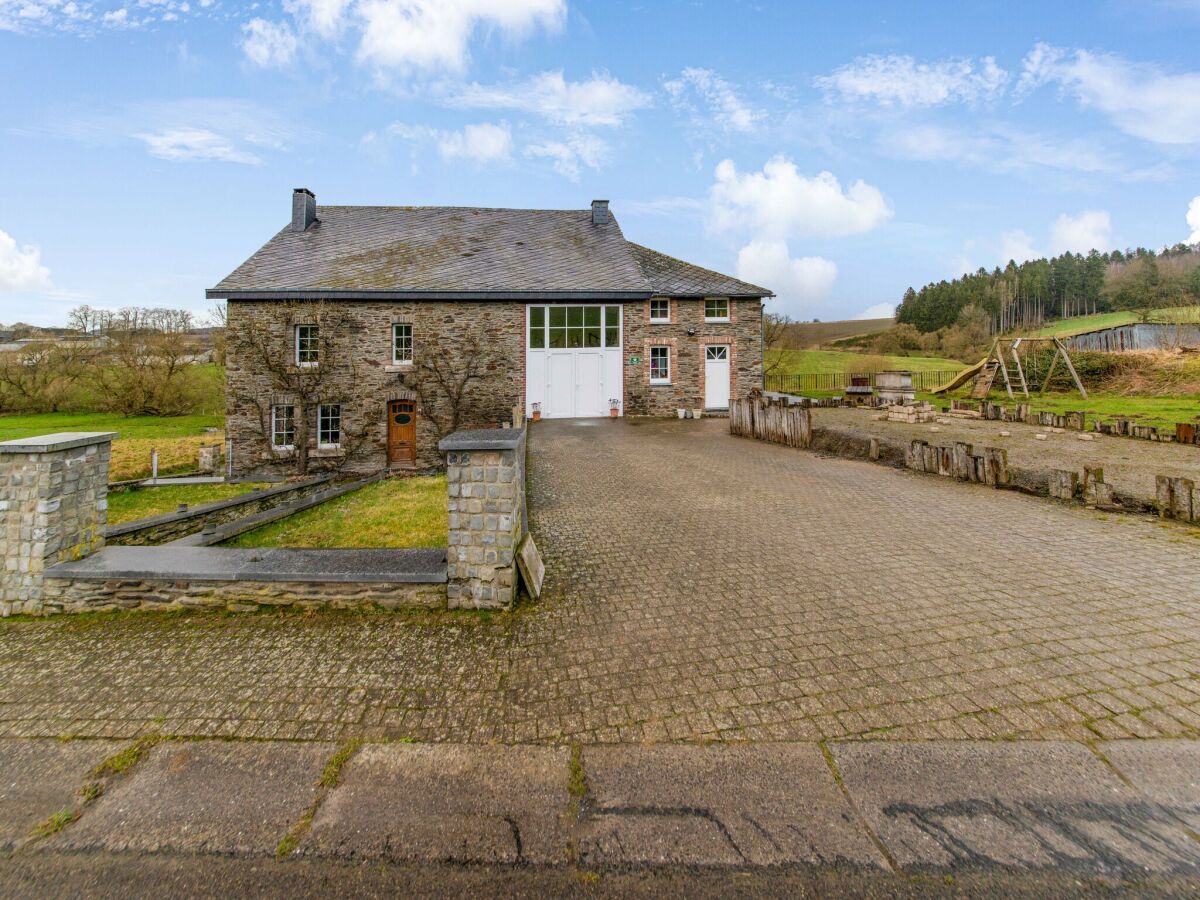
x,y
999,148
902,81
601,100
21,267
433,35
796,282
1140,99
482,143
324,17
1017,246
1193,220
569,154
1090,230
878,311
87,17
195,145
269,45
725,107
778,202
118,18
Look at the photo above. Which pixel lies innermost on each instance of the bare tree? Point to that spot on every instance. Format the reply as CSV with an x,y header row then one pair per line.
x,y
41,377
774,329
267,347
147,362
446,377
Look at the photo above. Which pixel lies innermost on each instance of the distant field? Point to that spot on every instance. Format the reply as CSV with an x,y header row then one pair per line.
x,y
803,362
816,334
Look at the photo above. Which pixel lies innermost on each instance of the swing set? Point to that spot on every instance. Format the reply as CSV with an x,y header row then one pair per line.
x,y
1019,363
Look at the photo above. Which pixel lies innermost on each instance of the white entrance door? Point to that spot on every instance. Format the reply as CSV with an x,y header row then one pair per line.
x,y
716,376
560,385
589,384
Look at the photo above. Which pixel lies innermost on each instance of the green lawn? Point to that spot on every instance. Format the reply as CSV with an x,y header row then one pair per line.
x,y
176,438
396,512
803,362
126,506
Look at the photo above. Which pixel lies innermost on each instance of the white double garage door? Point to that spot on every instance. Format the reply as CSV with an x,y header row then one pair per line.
x,y
574,359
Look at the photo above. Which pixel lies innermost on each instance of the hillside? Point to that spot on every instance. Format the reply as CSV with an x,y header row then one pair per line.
x,y
812,335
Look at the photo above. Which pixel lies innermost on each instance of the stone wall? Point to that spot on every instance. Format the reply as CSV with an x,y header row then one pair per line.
x,y
53,496
485,474
171,526
743,333
364,380
76,595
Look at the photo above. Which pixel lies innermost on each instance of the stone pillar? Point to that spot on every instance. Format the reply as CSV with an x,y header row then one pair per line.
x,y
54,500
485,475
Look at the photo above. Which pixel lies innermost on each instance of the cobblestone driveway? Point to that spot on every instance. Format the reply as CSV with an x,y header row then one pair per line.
x,y
700,587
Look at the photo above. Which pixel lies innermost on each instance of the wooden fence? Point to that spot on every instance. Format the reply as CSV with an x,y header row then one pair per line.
x,y
836,381
771,420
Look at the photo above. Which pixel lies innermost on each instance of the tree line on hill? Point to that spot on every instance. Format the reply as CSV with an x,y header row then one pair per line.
x,y
134,361
1073,284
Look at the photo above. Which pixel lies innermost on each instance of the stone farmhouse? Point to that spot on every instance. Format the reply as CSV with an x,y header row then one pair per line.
x,y
358,336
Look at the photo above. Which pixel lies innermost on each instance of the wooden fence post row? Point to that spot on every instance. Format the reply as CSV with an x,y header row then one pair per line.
x,y
771,420
1177,498
960,462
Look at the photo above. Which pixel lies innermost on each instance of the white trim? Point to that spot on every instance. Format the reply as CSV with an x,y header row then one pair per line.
x,y
411,344
296,344
275,425
650,363
715,319
660,320
331,445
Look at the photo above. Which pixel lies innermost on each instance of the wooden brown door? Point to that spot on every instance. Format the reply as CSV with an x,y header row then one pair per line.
x,y
402,433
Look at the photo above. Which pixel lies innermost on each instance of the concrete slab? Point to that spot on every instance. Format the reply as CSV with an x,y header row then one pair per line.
x,y
40,777
447,803
1167,772
763,804
1017,805
203,797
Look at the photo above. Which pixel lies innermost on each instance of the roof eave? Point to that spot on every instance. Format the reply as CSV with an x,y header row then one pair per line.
x,y
304,294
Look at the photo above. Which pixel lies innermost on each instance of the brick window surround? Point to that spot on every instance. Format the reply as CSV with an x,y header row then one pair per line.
x,y
672,356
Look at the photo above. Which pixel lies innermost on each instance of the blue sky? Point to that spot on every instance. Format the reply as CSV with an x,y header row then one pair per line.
x,y
836,152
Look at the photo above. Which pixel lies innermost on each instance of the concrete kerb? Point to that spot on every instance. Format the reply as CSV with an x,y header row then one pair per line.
x,y
932,807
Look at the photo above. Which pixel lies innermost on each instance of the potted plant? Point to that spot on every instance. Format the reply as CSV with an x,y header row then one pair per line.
x,y
613,406
682,412
537,412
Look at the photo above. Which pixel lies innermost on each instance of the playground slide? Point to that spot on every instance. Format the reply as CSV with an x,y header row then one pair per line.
x,y
961,378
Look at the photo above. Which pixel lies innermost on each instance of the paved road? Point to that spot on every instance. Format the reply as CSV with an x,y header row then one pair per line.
x,y
700,587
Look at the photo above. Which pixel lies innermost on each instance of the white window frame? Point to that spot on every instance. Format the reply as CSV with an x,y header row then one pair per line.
x,y
316,349
650,362
660,320
322,415
709,350
397,361
275,422
545,328
724,318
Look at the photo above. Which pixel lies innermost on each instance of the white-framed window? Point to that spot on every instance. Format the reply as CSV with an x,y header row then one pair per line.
x,y
716,309
660,310
573,327
307,345
329,425
283,427
716,352
660,365
402,343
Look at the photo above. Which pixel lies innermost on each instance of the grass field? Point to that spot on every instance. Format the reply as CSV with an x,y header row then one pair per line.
x,y
816,334
126,506
177,438
1161,412
802,362
397,512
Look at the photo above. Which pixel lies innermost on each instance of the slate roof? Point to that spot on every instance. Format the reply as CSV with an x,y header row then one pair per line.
x,y
674,277
437,252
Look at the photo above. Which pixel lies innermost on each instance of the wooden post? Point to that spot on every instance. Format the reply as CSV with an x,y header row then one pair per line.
x,y
1062,348
873,450
1063,484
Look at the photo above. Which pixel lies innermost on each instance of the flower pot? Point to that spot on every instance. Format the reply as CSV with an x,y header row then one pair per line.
x,y
612,412
537,415
682,413
697,413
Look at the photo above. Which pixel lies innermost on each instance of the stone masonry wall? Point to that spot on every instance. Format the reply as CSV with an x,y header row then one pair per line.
x,y
487,521
171,526
364,388
743,333
75,595
54,506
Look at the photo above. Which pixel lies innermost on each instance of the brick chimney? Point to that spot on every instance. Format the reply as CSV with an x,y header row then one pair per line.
x,y
304,209
599,212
